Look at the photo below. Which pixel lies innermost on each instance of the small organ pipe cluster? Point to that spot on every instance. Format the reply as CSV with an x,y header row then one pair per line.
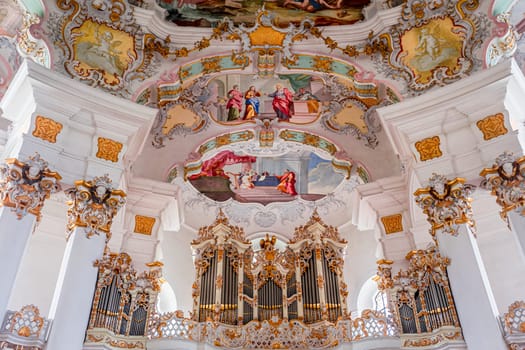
x,y
235,285
124,299
420,296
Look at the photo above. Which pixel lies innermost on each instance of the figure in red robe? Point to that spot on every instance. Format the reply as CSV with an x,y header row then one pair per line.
x,y
287,183
282,102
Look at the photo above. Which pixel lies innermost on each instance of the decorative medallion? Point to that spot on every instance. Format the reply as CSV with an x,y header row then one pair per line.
x,y
428,148
93,205
492,126
46,129
433,44
392,223
108,149
446,204
101,44
144,224
102,49
506,181
24,186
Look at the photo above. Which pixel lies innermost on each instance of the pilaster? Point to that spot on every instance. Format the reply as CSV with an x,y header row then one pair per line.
x,y
92,206
24,186
446,203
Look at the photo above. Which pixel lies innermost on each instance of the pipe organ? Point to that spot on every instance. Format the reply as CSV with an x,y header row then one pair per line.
x,y
235,285
420,296
124,300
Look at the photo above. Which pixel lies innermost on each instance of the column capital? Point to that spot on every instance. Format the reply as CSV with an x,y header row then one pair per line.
x,y
506,180
92,205
446,204
24,186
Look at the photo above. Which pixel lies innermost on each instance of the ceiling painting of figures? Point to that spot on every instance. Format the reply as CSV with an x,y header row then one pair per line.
x,y
237,98
207,13
250,179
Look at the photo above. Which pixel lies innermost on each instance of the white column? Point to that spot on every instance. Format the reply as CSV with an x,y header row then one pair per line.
x,y
14,236
517,225
470,287
92,207
447,206
24,186
76,284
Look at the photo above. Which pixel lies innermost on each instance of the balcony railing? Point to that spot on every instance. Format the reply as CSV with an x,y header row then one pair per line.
x,y
514,326
24,329
274,333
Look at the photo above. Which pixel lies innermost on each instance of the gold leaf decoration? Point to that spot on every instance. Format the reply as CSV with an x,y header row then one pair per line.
x,y
108,149
392,223
429,148
144,224
46,129
492,126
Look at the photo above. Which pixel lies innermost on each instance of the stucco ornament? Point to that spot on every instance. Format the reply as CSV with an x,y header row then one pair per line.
x,y
343,97
24,186
506,181
92,205
446,204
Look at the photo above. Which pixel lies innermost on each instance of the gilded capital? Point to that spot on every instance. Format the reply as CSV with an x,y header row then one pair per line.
x,y
505,180
24,186
446,204
92,205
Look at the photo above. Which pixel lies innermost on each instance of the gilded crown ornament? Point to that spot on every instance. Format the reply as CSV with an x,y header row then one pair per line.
x,y
24,186
92,205
446,204
505,180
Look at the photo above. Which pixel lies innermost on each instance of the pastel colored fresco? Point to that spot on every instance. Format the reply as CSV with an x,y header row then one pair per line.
x,y
238,98
207,13
102,48
265,180
434,45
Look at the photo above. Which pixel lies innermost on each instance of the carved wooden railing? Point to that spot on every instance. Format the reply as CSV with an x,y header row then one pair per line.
x,y
24,329
273,334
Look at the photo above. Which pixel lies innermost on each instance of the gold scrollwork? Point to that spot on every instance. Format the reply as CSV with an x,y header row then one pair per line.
x,y
46,129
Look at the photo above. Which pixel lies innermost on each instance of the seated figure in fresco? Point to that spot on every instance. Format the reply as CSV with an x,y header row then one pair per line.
x,y
234,104
313,5
287,183
312,101
282,102
252,103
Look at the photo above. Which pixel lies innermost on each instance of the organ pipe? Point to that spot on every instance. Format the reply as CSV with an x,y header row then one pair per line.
x,y
123,298
235,285
420,297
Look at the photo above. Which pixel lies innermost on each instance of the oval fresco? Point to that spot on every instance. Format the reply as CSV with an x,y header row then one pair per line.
x,y
207,13
240,98
265,180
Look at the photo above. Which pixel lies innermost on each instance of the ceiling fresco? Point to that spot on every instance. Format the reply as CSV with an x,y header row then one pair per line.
x,y
207,13
336,75
264,180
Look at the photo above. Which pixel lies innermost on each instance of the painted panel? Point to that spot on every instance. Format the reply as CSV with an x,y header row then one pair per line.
x,y
240,98
207,13
265,180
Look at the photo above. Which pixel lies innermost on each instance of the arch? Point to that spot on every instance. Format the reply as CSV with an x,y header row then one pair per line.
x,y
167,300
